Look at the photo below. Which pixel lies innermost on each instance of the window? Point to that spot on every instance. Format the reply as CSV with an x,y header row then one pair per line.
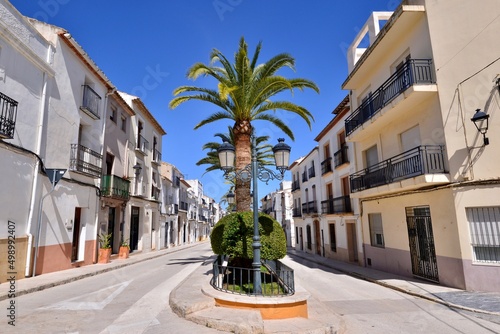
x,y
308,235
124,123
484,224
112,115
296,235
371,156
333,238
410,139
376,230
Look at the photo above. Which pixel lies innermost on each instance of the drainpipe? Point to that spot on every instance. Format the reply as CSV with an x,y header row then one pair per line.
x,y
36,173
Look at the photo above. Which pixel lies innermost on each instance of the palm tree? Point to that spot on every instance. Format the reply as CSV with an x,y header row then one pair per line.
x,y
243,95
264,151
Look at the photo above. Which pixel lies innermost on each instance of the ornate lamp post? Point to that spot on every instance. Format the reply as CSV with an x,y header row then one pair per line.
x,y
255,172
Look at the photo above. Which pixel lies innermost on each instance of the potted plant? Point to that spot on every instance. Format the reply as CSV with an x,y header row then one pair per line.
x,y
124,250
105,248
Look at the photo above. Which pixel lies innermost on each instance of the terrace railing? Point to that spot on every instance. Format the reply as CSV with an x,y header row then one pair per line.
x,y
115,187
340,204
91,101
85,161
414,71
277,279
8,114
417,161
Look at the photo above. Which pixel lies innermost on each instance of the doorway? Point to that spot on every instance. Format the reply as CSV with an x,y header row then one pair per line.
x,y
421,239
111,228
352,244
317,237
75,245
134,228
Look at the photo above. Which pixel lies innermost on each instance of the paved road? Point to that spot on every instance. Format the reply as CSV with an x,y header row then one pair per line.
x,y
364,307
133,299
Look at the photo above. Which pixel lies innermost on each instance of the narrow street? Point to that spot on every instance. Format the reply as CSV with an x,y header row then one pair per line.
x,y
135,299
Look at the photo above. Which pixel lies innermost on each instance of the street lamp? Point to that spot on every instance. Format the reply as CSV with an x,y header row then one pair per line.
x,y
257,172
480,120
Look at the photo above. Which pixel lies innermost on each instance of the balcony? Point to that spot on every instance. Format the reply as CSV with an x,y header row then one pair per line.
x,y
312,172
340,157
295,185
115,187
297,212
142,145
336,205
326,166
418,161
184,206
84,160
90,103
8,115
156,157
304,177
413,72
309,207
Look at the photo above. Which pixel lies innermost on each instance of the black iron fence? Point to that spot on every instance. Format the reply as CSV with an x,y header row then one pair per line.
x,y
414,71
417,161
326,166
85,160
277,279
340,204
90,101
309,207
8,114
340,157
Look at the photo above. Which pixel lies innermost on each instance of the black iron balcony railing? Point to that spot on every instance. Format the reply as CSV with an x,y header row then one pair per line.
x,y
326,166
8,115
312,172
309,207
414,71
115,187
91,101
340,204
85,161
277,279
142,144
295,185
417,161
340,157
297,212
304,177
156,156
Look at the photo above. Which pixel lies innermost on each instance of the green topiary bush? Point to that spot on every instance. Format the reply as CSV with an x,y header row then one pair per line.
x,y
233,236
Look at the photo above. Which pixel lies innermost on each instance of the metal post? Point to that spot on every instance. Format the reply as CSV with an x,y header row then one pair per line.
x,y
257,288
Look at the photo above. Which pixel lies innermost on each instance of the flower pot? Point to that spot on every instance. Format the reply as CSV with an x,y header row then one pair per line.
x,y
123,252
104,255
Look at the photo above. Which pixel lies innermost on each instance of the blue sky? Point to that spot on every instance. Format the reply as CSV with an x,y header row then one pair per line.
x,y
145,49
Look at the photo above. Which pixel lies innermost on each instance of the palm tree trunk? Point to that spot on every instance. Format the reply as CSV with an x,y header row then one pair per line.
x,y
242,138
